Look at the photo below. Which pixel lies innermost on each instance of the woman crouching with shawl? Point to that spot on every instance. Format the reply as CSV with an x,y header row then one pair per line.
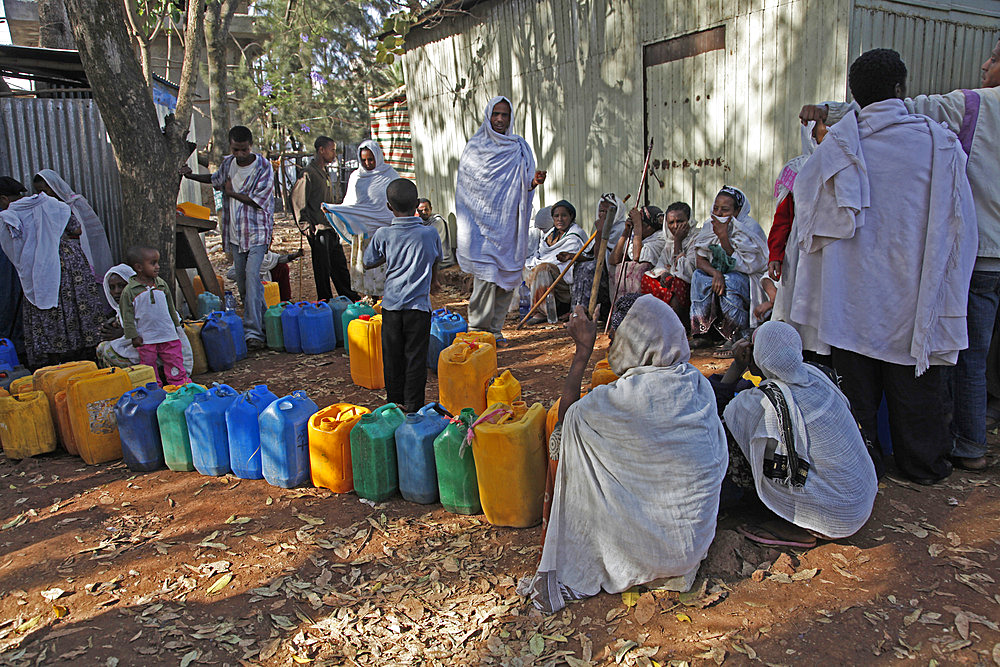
x,y
731,255
804,454
618,443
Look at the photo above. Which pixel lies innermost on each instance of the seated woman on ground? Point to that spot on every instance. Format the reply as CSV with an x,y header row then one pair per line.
x,y
115,350
731,254
795,442
649,220
623,473
676,264
555,251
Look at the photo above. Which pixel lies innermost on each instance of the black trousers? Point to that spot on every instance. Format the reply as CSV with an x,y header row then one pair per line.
x,y
406,335
919,410
330,264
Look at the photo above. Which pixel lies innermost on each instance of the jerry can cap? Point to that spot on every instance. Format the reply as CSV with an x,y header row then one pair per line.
x,y
366,318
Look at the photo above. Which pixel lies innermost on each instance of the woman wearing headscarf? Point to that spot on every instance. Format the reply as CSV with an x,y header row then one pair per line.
x,y
554,253
115,350
585,268
670,278
809,463
731,256
494,189
93,238
63,309
616,446
648,222
364,210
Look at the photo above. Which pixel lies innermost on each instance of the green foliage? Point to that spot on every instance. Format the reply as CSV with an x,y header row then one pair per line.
x,y
314,71
394,29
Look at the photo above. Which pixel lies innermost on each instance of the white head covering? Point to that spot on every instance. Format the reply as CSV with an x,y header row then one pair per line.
x,y
123,271
658,421
543,219
93,238
493,199
30,233
618,224
839,492
650,335
786,179
364,207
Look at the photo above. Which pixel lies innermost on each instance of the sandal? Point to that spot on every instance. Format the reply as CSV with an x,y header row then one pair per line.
x,y
763,535
726,350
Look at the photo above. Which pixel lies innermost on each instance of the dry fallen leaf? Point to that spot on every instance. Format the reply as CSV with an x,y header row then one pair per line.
x,y
645,608
219,584
60,610
630,598
683,618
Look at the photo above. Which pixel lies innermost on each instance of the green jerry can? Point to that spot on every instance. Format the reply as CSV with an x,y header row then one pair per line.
x,y
373,453
456,468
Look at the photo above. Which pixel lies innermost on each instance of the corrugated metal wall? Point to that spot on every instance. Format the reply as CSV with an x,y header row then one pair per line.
x,y
943,43
574,70
67,136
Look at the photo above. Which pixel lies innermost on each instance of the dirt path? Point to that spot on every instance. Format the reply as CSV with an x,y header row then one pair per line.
x,y
99,565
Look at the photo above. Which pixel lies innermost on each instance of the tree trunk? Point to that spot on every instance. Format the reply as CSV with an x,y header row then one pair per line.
x,y
53,26
147,156
218,17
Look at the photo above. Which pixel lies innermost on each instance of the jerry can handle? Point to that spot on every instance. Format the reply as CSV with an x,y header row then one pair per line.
x,y
440,409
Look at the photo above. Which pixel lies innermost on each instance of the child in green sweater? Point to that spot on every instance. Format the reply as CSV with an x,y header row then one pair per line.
x,y
149,317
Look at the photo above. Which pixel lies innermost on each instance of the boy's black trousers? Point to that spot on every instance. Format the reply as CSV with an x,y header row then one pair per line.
x,y
406,335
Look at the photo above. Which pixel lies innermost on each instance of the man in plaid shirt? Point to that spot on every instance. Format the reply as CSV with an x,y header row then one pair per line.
x,y
246,181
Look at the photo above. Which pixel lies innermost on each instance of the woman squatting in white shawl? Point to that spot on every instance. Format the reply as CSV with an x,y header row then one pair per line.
x,y
493,195
837,494
363,211
658,421
731,251
115,349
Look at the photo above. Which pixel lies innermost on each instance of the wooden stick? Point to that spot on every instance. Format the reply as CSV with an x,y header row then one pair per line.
x,y
556,281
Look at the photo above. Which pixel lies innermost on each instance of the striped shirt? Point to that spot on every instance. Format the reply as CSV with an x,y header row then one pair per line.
x,y
244,225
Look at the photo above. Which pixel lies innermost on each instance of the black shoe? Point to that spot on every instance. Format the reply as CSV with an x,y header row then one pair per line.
x,y
975,464
254,345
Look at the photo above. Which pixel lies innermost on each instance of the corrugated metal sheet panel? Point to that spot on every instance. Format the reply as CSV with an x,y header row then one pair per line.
x,y
67,136
574,70
943,43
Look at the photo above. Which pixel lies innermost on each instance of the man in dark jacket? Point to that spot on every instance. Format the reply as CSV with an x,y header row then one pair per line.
x,y
328,260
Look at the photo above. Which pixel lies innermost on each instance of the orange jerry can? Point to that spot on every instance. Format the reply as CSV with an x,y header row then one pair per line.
x,y
193,332
511,463
26,427
272,293
465,370
91,401
602,374
63,428
552,418
364,345
330,446
199,285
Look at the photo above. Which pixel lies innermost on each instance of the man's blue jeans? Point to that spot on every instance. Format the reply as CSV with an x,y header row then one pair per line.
x,y
247,265
968,425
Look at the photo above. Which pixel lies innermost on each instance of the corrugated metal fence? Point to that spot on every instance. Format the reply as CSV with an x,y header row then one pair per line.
x,y
67,136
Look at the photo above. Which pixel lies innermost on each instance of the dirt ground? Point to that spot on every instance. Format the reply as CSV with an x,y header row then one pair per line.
x,y
99,565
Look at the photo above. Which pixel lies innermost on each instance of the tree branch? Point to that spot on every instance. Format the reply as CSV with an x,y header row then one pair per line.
x,y
194,36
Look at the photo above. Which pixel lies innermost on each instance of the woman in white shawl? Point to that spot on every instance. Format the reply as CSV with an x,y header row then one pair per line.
x,y
115,349
554,252
828,484
362,212
63,308
93,238
614,522
675,266
731,255
586,267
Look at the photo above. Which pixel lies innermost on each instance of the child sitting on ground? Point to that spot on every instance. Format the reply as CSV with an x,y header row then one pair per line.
x,y
149,317
763,310
411,252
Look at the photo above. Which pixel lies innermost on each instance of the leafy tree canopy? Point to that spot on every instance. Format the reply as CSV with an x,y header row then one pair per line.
x,y
314,71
